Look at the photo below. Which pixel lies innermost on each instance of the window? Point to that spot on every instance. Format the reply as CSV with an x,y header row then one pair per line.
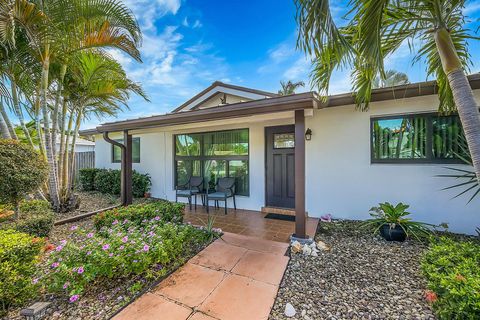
x,y
117,152
428,138
213,155
283,140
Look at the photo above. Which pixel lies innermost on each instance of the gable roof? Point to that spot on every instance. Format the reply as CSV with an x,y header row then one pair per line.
x,y
217,87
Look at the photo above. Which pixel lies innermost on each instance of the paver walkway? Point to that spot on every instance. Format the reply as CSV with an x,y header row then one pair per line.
x,y
236,277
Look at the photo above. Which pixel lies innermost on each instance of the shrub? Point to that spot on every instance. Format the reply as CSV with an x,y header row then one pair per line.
x,y
22,170
164,211
36,218
120,250
87,178
453,275
18,255
108,181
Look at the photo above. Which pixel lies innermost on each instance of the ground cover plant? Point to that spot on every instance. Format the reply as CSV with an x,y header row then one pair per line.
x,y
119,250
19,253
453,274
165,211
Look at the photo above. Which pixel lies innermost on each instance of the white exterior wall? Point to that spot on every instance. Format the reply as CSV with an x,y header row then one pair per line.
x,y
342,181
340,178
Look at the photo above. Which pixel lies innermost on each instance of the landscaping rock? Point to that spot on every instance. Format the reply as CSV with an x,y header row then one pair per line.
x,y
296,247
354,276
290,311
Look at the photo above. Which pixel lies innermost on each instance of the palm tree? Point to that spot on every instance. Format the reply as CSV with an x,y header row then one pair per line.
x,y
392,78
289,87
375,30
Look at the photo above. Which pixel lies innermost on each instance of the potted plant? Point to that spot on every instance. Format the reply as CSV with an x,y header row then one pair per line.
x,y
393,224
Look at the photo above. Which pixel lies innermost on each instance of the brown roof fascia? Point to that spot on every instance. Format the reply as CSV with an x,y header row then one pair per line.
x,y
269,105
226,85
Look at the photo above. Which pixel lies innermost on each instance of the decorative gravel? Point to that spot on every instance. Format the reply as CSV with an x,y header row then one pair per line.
x,y
361,277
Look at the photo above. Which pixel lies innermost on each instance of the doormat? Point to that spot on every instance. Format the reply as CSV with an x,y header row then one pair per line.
x,y
280,217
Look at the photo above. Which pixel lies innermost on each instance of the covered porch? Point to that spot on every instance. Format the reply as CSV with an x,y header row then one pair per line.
x,y
248,223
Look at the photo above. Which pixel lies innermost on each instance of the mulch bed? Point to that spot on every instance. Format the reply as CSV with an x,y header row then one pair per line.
x,y
90,201
361,277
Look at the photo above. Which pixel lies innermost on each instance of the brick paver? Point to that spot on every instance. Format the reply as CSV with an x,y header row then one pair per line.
x,y
236,277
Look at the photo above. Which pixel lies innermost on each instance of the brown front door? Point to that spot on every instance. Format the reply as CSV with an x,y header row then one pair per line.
x,y
280,166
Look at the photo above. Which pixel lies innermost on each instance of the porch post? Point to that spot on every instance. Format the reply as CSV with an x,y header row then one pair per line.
x,y
300,174
127,170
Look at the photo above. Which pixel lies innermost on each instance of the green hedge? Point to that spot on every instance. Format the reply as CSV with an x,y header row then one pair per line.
x,y
452,269
164,211
19,254
108,181
35,218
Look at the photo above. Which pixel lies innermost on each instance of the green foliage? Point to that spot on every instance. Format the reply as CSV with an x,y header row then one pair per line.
x,y
22,170
87,178
108,181
118,250
453,273
159,210
36,218
386,213
18,255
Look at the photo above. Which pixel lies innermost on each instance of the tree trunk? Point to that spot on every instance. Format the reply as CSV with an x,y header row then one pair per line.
x,y
71,183
8,123
19,113
61,152
55,112
52,176
4,129
65,159
462,95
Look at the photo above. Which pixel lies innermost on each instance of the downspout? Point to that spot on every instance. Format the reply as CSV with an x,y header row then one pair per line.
x,y
126,166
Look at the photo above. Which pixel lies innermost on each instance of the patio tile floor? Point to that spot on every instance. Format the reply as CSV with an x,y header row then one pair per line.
x,y
248,222
236,277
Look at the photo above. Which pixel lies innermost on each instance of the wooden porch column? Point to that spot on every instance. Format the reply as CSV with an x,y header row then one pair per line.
x,y
300,174
126,166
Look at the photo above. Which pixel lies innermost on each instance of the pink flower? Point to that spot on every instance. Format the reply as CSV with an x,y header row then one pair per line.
x,y
146,248
121,247
55,264
106,246
114,222
125,239
35,281
66,284
73,298
63,242
90,235
59,248
89,253
80,270
73,228
157,218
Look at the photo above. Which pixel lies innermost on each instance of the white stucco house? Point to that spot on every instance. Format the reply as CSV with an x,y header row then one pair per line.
x,y
300,150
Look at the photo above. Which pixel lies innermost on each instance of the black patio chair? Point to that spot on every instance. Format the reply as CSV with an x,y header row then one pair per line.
x,y
192,188
225,188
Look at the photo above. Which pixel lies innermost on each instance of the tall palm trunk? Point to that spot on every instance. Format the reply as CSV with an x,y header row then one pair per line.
x,y
19,112
72,154
5,134
61,152
52,176
65,160
55,111
7,121
462,94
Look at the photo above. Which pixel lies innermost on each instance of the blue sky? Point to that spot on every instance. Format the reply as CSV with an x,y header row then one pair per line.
x,y
191,43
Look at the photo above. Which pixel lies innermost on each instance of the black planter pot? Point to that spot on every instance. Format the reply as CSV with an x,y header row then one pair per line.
x,y
393,234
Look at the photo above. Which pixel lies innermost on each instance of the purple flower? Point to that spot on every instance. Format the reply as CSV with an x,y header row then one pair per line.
x,y
59,248
114,222
63,242
55,264
121,247
80,270
151,233
111,254
106,246
89,253
35,281
157,218
73,298
73,228
146,248
90,235
125,239
66,284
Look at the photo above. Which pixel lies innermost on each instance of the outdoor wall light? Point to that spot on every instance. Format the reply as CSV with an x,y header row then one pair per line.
x,y
308,134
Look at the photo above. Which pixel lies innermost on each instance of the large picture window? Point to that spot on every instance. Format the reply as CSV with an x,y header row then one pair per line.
x,y
213,155
428,138
117,152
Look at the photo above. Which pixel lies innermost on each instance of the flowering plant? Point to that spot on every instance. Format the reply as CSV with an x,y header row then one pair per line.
x,y
116,251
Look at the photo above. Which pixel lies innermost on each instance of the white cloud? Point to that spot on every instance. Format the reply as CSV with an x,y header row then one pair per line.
x,y
149,11
185,22
471,7
197,24
299,69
